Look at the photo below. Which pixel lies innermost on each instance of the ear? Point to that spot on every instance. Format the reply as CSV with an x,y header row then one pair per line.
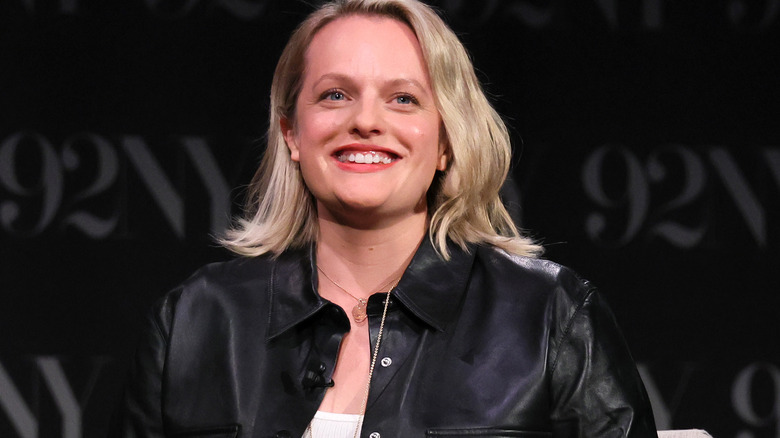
x,y
289,137
444,155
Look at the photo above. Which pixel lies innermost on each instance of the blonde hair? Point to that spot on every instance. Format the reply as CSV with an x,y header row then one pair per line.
x,y
463,201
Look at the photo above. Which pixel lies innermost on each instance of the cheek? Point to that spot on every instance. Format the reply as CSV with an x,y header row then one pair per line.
x,y
316,131
426,134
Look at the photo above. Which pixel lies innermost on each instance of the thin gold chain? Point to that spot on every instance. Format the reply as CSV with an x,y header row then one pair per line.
x,y
346,291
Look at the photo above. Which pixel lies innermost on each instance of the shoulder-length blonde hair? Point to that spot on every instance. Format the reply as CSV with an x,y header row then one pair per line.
x,y
463,201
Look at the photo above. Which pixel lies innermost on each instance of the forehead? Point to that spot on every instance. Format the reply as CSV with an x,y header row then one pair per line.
x,y
366,45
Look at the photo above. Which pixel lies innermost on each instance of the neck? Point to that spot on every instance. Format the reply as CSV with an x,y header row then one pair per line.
x,y
363,260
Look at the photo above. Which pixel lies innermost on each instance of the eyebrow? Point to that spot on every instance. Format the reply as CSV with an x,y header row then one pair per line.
x,y
333,76
402,81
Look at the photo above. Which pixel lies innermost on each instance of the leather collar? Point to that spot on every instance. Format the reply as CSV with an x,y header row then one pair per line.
x,y
431,287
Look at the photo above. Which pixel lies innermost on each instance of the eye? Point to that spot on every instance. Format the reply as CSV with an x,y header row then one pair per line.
x,y
405,99
333,95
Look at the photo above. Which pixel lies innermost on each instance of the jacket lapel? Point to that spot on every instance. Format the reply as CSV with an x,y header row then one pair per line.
x,y
293,296
432,288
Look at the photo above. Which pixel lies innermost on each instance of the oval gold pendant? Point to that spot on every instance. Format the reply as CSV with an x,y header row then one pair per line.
x,y
359,311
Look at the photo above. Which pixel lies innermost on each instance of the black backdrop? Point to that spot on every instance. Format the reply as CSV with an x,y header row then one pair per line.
x,y
647,157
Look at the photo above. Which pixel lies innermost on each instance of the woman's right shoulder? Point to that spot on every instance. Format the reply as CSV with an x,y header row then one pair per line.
x,y
231,272
221,285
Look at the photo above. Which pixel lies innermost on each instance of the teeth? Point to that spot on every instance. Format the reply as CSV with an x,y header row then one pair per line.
x,y
367,158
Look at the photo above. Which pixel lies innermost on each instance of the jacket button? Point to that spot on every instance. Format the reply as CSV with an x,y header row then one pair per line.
x,y
386,362
283,434
375,435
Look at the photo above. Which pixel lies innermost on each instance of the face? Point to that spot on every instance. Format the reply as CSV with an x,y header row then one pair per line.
x,y
366,131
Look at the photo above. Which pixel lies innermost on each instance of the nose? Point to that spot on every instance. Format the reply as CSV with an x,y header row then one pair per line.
x,y
367,119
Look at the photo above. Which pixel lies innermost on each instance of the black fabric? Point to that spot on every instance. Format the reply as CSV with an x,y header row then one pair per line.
x,y
485,344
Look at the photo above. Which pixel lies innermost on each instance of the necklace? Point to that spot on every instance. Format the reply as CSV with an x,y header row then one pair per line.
x,y
370,368
359,311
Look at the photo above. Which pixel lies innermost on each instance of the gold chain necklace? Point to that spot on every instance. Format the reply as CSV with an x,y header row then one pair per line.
x,y
371,368
359,311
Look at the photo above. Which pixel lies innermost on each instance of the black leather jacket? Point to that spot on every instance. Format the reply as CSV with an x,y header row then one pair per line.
x,y
485,344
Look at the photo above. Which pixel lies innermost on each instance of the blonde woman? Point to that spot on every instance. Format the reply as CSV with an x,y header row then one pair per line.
x,y
382,289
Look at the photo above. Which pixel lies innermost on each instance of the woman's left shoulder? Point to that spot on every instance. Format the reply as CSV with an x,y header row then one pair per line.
x,y
532,273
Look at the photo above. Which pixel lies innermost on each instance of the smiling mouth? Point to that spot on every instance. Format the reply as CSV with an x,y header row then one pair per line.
x,y
371,157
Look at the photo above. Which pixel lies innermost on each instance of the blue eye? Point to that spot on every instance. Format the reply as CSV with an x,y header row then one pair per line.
x,y
405,99
335,95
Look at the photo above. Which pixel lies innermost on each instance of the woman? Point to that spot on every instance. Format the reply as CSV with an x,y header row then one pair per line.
x,y
382,173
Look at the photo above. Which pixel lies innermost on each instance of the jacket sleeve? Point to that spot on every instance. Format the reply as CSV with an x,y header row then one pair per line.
x,y
596,388
140,410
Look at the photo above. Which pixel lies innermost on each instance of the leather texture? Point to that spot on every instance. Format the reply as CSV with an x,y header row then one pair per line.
x,y
485,344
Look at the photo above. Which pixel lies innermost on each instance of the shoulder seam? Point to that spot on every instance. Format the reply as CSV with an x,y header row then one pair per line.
x,y
161,332
164,303
569,325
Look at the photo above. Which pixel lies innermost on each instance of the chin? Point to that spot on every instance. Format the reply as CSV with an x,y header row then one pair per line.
x,y
362,205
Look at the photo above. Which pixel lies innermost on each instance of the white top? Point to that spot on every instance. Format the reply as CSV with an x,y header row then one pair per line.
x,y
330,425
689,433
